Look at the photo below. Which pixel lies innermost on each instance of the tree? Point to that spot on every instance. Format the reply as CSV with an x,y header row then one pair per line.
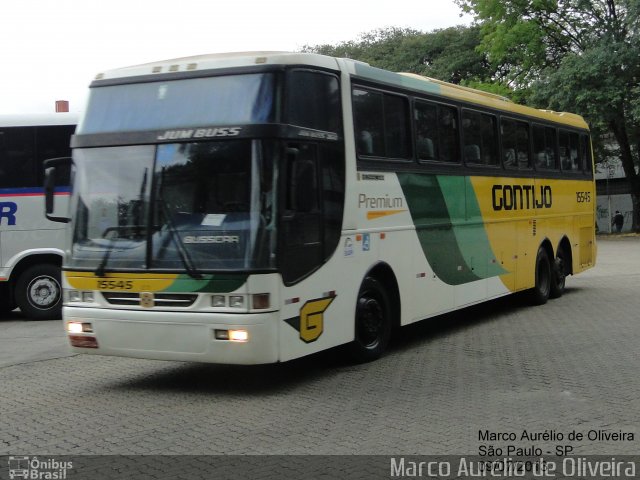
x,y
449,54
574,55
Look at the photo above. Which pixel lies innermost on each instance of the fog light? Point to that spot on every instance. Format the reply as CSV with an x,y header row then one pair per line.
x,y
79,327
238,335
236,301
74,327
260,301
218,301
232,335
221,334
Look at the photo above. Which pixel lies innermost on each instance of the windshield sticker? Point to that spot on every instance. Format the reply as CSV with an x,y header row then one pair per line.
x,y
213,219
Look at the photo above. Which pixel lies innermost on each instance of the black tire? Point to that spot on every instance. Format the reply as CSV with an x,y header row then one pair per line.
x,y
372,322
540,292
7,303
38,292
558,275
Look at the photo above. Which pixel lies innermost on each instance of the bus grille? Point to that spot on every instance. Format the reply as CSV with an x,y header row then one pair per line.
x,y
183,300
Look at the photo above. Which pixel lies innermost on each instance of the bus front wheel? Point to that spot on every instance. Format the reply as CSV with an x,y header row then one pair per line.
x,y
38,292
541,290
372,322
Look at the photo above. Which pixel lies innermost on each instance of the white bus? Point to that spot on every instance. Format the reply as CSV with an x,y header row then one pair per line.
x,y
259,207
31,247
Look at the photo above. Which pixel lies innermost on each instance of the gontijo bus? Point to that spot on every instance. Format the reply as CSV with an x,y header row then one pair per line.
x,y
31,246
258,207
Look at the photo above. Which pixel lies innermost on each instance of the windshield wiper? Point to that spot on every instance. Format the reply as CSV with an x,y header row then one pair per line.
x,y
100,270
185,258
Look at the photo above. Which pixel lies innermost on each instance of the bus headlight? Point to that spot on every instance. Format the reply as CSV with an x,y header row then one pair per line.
x,y
218,301
236,301
79,296
74,295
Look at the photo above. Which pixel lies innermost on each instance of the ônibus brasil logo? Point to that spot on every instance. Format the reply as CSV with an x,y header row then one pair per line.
x,y
38,469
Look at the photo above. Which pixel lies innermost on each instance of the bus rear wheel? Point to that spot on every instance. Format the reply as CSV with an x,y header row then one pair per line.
x,y
540,292
372,322
38,292
558,275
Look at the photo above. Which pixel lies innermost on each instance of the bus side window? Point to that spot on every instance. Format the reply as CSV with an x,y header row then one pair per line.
x,y
515,144
368,111
17,157
381,124
53,142
544,147
425,115
585,153
320,111
480,138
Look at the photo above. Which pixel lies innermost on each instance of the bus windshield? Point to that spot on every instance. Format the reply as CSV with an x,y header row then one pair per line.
x,y
194,206
222,100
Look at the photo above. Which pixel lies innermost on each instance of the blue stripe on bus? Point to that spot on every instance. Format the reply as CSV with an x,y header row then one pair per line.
x,y
31,191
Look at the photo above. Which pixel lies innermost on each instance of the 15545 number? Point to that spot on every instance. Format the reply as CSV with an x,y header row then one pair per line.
x,y
115,284
583,197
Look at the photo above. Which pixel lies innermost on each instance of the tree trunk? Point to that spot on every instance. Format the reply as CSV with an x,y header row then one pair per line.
x,y
619,129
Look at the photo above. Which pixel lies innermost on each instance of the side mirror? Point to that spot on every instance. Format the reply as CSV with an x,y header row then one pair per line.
x,y
50,187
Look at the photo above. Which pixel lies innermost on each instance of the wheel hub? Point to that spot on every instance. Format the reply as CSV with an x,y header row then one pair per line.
x,y
43,292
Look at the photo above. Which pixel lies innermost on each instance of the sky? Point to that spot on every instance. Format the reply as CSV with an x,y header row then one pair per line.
x,y
52,49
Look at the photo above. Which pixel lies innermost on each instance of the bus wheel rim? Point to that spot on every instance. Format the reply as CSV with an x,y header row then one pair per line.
x,y
370,322
43,292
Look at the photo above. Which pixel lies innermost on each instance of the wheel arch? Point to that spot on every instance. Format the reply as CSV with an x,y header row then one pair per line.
x,y
546,245
384,274
565,245
36,259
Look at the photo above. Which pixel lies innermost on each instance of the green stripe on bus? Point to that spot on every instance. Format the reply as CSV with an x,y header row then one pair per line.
x,y
391,78
215,283
449,225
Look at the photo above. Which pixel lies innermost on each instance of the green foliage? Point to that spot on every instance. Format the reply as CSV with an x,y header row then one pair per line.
x,y
581,56
449,54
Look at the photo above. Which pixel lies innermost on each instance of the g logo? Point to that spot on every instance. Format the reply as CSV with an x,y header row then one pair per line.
x,y
310,323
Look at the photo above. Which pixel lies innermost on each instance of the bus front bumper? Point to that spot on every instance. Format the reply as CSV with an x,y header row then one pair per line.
x,y
182,336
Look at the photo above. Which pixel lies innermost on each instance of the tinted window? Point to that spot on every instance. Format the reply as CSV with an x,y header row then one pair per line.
x,y
569,151
515,144
544,147
585,148
396,124
480,145
18,157
224,100
314,101
368,111
436,132
53,142
382,124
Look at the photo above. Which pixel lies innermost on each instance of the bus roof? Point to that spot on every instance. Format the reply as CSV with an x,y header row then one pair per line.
x,y
221,60
38,119
409,81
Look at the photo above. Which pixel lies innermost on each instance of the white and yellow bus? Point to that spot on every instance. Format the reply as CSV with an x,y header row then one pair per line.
x,y
258,207
31,247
